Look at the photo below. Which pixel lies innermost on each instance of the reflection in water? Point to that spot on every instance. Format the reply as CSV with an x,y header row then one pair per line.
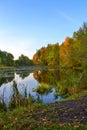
x,y
49,97
6,92
50,85
47,76
23,73
6,77
28,82
65,81
5,80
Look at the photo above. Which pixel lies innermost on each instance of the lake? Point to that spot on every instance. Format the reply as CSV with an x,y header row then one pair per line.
x,y
49,85
29,80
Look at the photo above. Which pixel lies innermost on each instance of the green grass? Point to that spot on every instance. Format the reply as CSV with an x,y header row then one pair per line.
x,y
43,88
21,120
33,116
77,96
56,127
26,118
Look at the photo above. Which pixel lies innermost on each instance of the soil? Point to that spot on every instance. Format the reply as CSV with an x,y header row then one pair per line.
x,y
68,112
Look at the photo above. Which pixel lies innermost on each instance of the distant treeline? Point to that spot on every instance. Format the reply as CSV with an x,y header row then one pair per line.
x,y
7,59
72,52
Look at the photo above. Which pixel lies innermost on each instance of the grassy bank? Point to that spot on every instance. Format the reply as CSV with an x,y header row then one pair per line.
x,y
28,114
25,119
76,96
65,115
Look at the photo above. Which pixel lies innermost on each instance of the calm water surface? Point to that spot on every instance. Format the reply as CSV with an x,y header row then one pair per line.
x,y
28,81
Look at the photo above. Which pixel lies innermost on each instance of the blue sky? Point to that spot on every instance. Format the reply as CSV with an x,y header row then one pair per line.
x,y
27,25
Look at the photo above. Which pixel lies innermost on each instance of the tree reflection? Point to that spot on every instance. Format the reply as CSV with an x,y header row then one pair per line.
x,y
65,81
23,74
6,79
50,77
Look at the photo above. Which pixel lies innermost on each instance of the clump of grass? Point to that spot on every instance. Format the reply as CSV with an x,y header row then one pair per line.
x,y
57,127
72,84
77,96
62,90
30,101
16,99
43,88
56,94
38,100
3,106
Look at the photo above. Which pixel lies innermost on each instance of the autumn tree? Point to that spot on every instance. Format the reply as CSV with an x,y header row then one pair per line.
x,y
64,52
40,56
47,55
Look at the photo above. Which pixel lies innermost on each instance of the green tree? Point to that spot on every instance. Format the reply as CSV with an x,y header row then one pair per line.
x,y
79,48
6,58
10,59
53,54
23,61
